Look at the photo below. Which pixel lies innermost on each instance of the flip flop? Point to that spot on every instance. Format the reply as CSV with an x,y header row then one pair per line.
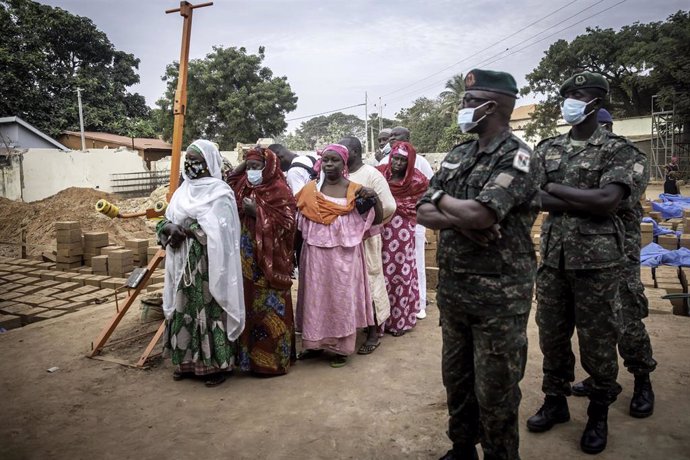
x,y
214,379
398,333
309,354
338,361
177,375
367,349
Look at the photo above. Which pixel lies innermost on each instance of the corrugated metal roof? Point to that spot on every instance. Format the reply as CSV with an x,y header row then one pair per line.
x,y
36,131
140,143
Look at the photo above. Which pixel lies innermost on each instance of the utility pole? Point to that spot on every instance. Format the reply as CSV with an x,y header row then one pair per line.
x,y
380,115
180,106
81,120
366,124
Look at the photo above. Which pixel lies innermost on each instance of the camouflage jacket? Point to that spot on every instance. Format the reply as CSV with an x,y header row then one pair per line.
x,y
630,211
487,280
585,241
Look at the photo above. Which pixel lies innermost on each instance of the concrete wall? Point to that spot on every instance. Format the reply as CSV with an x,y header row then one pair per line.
x,y
11,176
45,172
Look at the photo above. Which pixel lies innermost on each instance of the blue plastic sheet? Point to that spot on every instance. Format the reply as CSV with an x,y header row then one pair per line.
x,y
654,255
658,230
672,205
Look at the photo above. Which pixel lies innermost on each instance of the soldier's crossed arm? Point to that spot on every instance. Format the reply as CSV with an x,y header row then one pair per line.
x,y
513,182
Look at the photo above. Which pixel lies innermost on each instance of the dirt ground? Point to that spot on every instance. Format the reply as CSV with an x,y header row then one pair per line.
x,y
388,405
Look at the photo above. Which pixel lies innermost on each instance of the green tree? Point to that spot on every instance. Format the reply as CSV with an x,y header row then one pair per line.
x,y
47,53
451,97
231,98
325,129
293,142
639,60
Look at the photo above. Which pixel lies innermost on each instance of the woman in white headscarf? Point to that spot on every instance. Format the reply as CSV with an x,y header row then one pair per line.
x,y
203,297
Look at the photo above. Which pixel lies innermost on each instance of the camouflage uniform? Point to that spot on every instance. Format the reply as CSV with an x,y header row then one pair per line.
x,y
577,284
484,294
634,346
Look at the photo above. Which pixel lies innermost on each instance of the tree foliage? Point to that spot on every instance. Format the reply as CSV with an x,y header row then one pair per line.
x,y
231,98
639,60
324,129
430,125
46,53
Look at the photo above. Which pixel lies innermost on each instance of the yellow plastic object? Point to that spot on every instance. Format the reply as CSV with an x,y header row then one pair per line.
x,y
160,206
107,208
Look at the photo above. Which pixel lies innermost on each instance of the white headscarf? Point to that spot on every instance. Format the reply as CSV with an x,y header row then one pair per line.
x,y
211,202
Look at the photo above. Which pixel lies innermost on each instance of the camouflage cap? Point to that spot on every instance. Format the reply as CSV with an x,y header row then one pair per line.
x,y
491,80
584,80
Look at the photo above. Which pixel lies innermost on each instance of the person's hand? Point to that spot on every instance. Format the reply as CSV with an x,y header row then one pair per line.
x,y
483,237
173,235
366,192
249,206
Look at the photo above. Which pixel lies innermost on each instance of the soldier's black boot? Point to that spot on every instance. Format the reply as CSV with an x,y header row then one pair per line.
x,y
580,389
461,453
594,437
642,402
555,410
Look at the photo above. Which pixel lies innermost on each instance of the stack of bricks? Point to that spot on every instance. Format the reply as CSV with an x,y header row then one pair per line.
x,y
139,248
69,245
430,260
647,233
151,252
120,263
93,242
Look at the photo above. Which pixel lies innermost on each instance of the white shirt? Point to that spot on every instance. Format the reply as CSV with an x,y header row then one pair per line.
x,y
420,163
298,177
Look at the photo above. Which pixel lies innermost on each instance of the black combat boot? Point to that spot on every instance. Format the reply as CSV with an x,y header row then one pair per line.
x,y
555,410
642,402
461,453
580,389
594,437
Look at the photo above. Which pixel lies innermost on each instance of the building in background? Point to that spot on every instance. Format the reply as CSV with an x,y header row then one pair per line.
x,y
16,133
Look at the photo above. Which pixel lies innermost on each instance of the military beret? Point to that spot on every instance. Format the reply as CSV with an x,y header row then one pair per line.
x,y
491,80
585,80
603,116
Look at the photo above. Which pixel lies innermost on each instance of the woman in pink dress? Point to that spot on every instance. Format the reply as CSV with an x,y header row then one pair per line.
x,y
407,185
333,298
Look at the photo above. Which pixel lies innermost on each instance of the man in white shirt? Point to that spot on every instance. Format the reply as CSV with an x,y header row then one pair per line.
x,y
422,164
369,176
298,169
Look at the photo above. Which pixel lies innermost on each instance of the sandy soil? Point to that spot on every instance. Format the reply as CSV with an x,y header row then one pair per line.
x,y
388,405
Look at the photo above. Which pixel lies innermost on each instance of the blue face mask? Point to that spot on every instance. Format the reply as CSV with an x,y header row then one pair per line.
x,y
466,118
573,111
254,176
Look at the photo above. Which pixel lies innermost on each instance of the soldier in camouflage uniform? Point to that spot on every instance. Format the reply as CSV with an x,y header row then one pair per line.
x,y
586,175
485,282
634,346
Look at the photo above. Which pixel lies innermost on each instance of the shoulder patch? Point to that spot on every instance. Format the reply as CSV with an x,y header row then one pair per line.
x,y
448,165
521,160
638,168
504,180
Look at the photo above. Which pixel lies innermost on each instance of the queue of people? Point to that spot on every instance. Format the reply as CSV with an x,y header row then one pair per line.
x,y
352,230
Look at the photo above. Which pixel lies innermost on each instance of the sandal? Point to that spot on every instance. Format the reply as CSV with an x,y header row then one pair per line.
x,y
214,379
398,333
179,375
368,348
338,361
309,354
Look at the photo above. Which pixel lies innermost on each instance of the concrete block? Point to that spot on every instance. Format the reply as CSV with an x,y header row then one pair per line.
x,y
108,249
10,295
669,242
69,255
50,314
96,280
26,280
432,278
68,236
86,289
49,275
430,258
66,286
65,277
29,289
68,225
113,283
48,283
55,303
10,321
36,300
65,295
69,260
17,309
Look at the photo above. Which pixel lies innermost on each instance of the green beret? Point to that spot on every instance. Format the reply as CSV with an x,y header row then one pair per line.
x,y
491,80
585,80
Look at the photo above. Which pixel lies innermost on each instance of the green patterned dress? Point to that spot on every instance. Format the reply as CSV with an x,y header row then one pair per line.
x,y
196,337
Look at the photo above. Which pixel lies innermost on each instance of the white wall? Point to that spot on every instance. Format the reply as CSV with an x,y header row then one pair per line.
x,y
10,177
49,171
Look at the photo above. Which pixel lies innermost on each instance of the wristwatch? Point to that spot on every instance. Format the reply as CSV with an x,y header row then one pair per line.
x,y
436,197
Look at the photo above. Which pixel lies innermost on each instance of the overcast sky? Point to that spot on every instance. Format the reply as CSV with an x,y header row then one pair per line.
x,y
332,51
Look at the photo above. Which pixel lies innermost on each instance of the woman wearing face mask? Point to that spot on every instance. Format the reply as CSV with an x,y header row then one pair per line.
x,y
267,213
333,300
407,185
202,300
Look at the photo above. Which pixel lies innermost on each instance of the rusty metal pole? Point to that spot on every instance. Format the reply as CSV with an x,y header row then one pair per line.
x,y
180,106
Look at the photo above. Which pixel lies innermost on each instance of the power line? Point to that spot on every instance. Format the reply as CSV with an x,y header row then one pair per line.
x,y
498,56
326,112
485,49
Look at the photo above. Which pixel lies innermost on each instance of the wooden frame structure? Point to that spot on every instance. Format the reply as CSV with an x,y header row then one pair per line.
x,y
186,10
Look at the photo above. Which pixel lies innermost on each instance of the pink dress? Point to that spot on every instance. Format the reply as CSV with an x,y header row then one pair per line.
x,y
400,270
333,297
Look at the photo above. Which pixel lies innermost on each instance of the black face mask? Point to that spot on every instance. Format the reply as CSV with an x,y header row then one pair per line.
x,y
194,168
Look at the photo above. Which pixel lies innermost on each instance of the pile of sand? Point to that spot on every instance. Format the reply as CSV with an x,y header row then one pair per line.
x,y
78,204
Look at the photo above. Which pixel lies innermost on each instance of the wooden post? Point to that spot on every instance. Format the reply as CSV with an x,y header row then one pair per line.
x,y
180,106
22,236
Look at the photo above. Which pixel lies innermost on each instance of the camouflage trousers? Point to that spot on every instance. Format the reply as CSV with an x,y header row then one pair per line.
x,y
483,362
634,346
587,300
